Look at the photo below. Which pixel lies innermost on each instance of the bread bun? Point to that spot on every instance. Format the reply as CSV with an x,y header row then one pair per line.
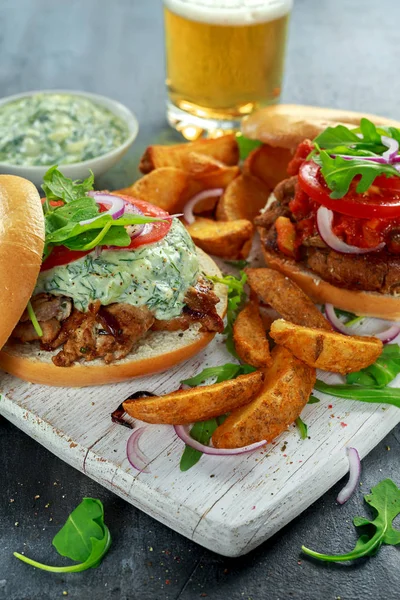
x,y
156,351
21,248
369,304
287,125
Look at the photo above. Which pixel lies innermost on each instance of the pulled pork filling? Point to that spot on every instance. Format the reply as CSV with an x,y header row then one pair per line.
x,y
109,332
295,236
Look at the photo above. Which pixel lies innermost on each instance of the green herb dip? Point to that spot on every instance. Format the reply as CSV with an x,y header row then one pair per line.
x,y
47,129
157,275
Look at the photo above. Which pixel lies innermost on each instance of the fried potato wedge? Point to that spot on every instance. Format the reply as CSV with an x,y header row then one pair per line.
x,y
244,197
287,386
268,164
217,178
224,149
222,238
196,404
163,187
286,298
329,351
251,342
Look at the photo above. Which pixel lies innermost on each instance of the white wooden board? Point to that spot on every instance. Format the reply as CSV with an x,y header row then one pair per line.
x,y
227,504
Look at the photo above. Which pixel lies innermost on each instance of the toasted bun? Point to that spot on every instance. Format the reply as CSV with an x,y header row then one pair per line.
x,y
157,351
369,304
21,248
287,125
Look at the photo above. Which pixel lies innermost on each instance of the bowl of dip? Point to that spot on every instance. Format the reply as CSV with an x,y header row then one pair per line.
x,y
77,131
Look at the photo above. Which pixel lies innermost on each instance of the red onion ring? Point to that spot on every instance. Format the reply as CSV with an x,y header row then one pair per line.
x,y
392,148
135,456
324,226
189,206
390,156
385,336
117,206
354,476
183,433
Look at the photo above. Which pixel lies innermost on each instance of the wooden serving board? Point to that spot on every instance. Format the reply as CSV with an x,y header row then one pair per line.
x,y
228,504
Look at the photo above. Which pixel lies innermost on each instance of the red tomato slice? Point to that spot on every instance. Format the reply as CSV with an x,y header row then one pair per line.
x,y
384,205
61,255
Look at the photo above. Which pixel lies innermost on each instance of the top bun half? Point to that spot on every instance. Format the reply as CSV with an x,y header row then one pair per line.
x,y
22,235
287,125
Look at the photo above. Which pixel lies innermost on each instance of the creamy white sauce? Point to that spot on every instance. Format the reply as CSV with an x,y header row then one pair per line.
x,y
48,129
157,275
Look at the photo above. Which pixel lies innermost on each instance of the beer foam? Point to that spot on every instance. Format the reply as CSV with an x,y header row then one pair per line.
x,y
230,12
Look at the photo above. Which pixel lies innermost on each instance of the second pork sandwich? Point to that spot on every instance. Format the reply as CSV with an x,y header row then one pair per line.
x,y
121,291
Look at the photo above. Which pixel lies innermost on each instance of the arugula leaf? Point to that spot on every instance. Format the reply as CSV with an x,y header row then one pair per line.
x,y
339,172
84,538
302,427
239,264
246,145
33,318
236,298
385,501
360,392
201,432
58,187
313,400
112,236
382,372
332,137
342,140
78,210
222,373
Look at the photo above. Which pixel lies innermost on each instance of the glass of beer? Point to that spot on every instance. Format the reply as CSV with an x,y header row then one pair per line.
x,y
224,59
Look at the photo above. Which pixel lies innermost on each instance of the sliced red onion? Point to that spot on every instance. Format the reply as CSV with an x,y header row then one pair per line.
x,y
136,458
392,148
324,225
189,206
390,156
182,432
354,476
116,210
376,159
386,336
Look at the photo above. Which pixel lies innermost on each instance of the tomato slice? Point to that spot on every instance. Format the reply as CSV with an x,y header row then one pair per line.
x,y
384,204
60,255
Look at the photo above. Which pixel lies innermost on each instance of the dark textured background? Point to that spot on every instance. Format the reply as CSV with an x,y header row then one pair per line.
x,y
343,54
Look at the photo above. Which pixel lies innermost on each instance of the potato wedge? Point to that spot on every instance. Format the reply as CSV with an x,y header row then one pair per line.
x,y
251,342
268,164
286,298
329,351
287,386
224,149
222,238
196,404
218,178
244,197
163,187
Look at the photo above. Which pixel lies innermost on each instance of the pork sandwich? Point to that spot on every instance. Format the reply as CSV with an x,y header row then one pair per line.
x,y
98,288
333,225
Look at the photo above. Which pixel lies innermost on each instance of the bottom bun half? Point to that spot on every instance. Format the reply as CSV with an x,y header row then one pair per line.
x,y
155,352
369,304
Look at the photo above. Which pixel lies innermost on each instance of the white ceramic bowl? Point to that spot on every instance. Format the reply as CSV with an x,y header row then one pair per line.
x,y
79,170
